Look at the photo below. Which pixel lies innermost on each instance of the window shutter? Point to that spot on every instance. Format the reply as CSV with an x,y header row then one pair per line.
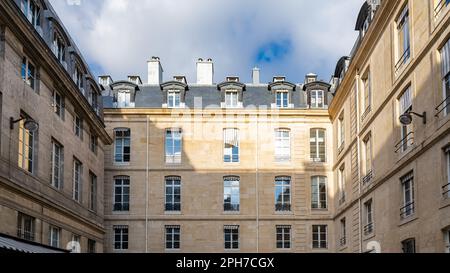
x,y
445,59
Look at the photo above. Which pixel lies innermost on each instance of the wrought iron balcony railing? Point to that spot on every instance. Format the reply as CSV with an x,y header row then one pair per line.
x,y
368,229
446,191
368,178
403,59
443,107
405,143
408,210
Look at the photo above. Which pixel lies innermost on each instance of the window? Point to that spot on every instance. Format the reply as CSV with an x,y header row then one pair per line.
x,y
59,47
231,194
91,246
366,98
405,103
282,145
120,237
231,99
341,184
122,146
447,240
58,105
78,126
173,99
283,194
317,145
408,208
409,246
341,132
368,217
54,236
320,240
92,192
446,187
124,99
77,177
93,143
403,40
26,146
172,237
25,227
343,235
57,164
173,146
31,11
77,240
317,99
231,146
173,194
367,160
282,99
28,73
231,237
121,193
319,198
78,78
283,237
445,74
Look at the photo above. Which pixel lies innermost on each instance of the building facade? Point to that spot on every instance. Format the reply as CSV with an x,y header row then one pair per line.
x,y
52,133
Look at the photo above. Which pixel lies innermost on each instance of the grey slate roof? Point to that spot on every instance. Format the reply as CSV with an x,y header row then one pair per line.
x,y
10,244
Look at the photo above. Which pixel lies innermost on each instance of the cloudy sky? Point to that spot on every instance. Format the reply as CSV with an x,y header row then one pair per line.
x,y
282,37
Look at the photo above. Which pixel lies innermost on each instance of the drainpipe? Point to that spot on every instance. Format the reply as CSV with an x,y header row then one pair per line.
x,y
257,183
359,161
146,188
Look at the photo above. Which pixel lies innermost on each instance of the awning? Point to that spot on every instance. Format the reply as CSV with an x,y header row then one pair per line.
x,y
12,244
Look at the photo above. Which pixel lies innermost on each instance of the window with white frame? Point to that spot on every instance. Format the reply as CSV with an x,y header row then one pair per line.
x,y
317,99
408,207
283,237
231,99
320,234
366,98
282,145
26,146
77,179
173,146
341,132
121,193
122,145
231,234
403,38
445,74
28,73
57,164
32,11
368,217
173,194
283,193
318,145
78,126
282,99
231,146
25,227
78,78
54,236
173,99
367,159
231,194
341,184
124,99
59,47
405,106
92,192
120,237
319,192
173,234
58,104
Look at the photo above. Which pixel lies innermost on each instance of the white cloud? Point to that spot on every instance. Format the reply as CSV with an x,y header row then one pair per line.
x,y
121,35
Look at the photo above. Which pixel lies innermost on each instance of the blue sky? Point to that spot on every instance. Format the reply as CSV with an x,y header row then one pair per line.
x,y
281,37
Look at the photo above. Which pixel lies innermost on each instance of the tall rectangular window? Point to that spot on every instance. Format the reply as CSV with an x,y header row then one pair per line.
x,y
447,240
283,194
173,146
173,237
231,99
54,237
78,126
91,246
403,38
282,99
92,192
231,146
58,47
320,234
93,143
28,73
32,11
408,208
367,160
26,146
121,193
77,180
341,184
368,217
120,237
231,194
343,232
284,237
446,187
231,234
57,164
124,99
318,145
319,192
173,194
445,74
173,99
341,132
122,145
409,246
58,104
366,98
25,227
317,99
405,106
282,145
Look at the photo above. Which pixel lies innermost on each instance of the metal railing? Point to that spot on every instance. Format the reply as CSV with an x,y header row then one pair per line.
x,y
368,229
408,210
366,113
439,7
342,199
282,207
343,241
368,178
446,191
443,106
26,235
406,142
403,59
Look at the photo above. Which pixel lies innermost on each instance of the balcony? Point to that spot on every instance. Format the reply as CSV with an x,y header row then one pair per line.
x,y
446,191
366,113
443,107
368,178
439,7
368,229
408,210
403,59
405,143
343,241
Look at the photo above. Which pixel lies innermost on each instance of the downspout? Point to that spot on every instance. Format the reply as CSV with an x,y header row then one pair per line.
x,y
358,146
146,188
257,183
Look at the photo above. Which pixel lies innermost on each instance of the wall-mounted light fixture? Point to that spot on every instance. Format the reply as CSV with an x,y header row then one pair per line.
x,y
29,125
406,119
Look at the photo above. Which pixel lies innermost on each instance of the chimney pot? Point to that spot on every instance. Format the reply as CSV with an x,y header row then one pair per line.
x,y
256,75
205,72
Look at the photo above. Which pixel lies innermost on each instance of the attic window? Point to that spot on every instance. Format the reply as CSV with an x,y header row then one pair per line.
x,y
32,11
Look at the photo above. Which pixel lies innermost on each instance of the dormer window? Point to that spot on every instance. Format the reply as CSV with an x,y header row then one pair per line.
x,y
317,99
78,78
31,10
124,99
124,94
173,99
231,99
58,47
282,99
231,93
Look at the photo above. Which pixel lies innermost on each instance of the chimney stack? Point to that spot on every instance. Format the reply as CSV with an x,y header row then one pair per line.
x,y
155,71
311,77
256,76
205,72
